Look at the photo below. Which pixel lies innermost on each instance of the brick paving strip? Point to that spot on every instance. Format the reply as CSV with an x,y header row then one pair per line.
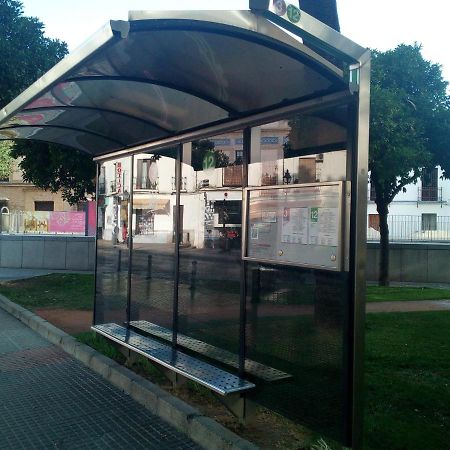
x,y
57,393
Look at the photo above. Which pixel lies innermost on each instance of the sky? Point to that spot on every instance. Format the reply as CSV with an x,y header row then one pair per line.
x,y
381,24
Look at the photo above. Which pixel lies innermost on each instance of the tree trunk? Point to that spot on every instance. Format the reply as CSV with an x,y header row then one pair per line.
x,y
383,278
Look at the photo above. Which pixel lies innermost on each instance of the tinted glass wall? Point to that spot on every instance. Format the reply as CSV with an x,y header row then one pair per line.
x,y
210,258
279,313
113,212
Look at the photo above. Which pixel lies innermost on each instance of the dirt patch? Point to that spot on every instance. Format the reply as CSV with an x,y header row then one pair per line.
x,y
410,306
71,321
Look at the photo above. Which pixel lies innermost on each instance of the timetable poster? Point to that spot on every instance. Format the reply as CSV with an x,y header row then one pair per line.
x,y
296,225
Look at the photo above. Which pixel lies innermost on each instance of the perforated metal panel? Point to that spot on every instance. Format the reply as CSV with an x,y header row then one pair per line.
x,y
206,374
261,371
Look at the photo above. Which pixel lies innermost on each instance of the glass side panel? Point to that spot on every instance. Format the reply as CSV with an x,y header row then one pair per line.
x,y
210,262
296,316
114,187
152,273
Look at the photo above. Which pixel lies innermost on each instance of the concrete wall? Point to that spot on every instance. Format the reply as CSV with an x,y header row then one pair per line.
x,y
422,263
47,252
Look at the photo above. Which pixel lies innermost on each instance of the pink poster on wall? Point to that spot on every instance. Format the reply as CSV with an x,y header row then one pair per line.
x,y
67,222
92,209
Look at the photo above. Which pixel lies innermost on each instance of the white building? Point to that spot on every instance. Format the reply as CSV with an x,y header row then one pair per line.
x,y
421,212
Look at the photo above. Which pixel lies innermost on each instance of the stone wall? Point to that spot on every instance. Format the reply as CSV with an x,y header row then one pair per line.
x,y
47,252
421,263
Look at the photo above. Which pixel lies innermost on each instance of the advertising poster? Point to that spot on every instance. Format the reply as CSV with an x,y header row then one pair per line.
x,y
72,222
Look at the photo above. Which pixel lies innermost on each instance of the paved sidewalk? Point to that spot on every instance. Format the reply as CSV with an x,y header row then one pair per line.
x,y
49,400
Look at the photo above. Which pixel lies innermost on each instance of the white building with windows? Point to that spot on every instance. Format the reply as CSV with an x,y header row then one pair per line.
x,y
420,213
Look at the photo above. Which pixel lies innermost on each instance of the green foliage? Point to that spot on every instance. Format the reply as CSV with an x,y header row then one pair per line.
x,y
102,345
407,381
405,293
410,122
67,291
25,52
26,55
199,150
6,159
55,168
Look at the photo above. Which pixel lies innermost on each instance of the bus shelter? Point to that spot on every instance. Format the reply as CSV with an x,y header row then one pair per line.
x,y
231,200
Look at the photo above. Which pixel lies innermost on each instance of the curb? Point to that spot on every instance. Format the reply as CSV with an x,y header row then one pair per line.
x,y
201,429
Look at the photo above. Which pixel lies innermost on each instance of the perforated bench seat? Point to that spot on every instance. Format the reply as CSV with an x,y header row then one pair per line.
x,y
254,368
203,373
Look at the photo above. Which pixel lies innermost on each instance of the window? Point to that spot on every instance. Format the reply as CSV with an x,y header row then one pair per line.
x,y
239,155
430,185
44,206
307,170
429,222
147,174
373,194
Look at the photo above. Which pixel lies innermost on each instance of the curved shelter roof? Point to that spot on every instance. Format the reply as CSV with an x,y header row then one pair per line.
x,y
162,75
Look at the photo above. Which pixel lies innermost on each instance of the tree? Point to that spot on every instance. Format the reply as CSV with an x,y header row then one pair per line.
x,y
27,54
6,159
199,150
409,128
52,167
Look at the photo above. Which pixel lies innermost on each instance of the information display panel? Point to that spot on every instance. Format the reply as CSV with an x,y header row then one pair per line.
x,y
296,225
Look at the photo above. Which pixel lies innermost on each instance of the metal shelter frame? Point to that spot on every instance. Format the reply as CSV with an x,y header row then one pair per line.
x,y
56,109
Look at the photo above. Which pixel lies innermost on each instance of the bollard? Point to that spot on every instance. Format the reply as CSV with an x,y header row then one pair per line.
x,y
119,260
193,275
149,267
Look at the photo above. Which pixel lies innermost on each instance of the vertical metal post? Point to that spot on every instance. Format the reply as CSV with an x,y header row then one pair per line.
x,y
130,241
176,277
97,173
243,285
357,253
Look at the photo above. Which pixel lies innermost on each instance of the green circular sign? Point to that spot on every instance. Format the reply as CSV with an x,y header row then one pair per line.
x,y
209,160
293,13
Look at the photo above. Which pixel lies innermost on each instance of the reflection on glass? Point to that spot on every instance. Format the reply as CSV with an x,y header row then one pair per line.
x,y
153,240
112,241
210,263
302,149
296,315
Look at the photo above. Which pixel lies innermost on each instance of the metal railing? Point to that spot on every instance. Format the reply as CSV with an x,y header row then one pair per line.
x,y
429,194
145,183
183,186
421,228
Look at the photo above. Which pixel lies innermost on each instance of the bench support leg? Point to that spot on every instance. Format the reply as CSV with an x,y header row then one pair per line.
x,y
176,379
240,406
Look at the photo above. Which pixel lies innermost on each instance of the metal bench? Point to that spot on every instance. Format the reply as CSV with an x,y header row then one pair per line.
x,y
214,378
254,368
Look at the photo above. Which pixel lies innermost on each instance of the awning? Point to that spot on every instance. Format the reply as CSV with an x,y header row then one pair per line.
x,y
158,205
165,74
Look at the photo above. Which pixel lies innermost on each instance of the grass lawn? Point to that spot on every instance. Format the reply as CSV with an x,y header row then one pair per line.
x,y
408,381
407,358
68,291
405,293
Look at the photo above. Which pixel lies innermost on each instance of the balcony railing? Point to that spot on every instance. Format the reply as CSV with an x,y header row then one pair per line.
x,y
183,186
429,194
101,187
145,183
421,228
